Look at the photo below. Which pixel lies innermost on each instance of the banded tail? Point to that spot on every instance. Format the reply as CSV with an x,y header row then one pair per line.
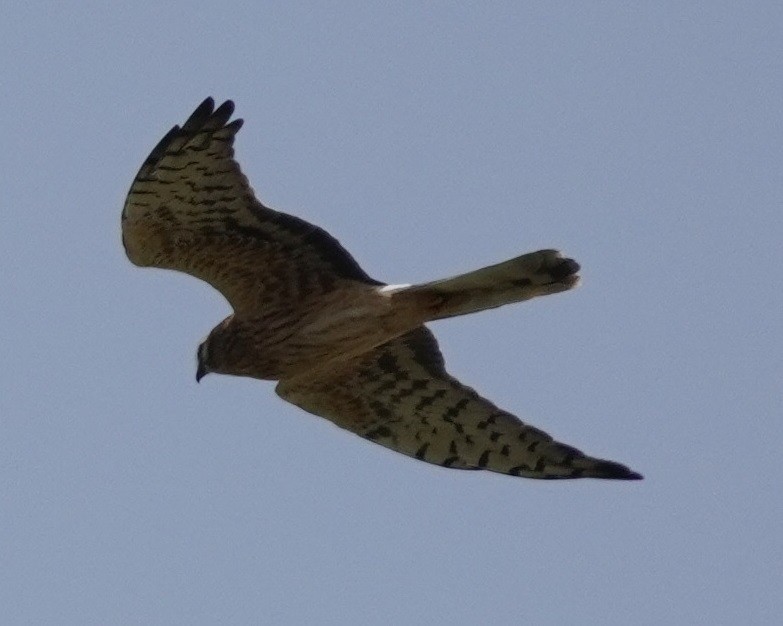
x,y
522,278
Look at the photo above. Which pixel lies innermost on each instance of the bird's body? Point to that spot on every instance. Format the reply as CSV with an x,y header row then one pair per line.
x,y
343,345
320,333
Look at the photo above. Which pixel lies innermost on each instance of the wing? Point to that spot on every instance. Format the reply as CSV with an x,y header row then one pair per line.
x,y
191,209
401,396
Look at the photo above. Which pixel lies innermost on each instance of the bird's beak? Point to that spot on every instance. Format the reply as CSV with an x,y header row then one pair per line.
x,y
201,372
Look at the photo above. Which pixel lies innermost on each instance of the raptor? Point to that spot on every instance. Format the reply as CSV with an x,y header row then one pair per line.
x,y
342,345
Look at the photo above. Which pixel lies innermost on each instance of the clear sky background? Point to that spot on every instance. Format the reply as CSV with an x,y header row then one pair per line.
x,y
644,139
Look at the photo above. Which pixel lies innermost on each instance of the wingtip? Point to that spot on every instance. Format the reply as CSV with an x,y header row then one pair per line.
x,y
616,471
202,111
206,110
225,110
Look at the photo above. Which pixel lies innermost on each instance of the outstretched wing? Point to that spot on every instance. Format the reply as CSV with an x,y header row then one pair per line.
x,y
191,209
401,396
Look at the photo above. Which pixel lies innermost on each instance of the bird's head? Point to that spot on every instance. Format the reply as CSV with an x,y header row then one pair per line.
x,y
216,352
229,349
202,360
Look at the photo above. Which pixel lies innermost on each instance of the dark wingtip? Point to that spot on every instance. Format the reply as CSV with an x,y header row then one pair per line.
x,y
199,116
207,118
207,115
225,110
615,471
208,104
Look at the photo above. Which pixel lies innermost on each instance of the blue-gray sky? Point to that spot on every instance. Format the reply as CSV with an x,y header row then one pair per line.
x,y
644,139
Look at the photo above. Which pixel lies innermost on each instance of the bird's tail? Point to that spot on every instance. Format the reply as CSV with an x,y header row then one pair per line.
x,y
521,278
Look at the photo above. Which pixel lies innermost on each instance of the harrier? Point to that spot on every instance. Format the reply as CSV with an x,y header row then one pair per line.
x,y
342,345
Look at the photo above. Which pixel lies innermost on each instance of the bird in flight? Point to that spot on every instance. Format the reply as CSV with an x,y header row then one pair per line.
x,y
342,345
